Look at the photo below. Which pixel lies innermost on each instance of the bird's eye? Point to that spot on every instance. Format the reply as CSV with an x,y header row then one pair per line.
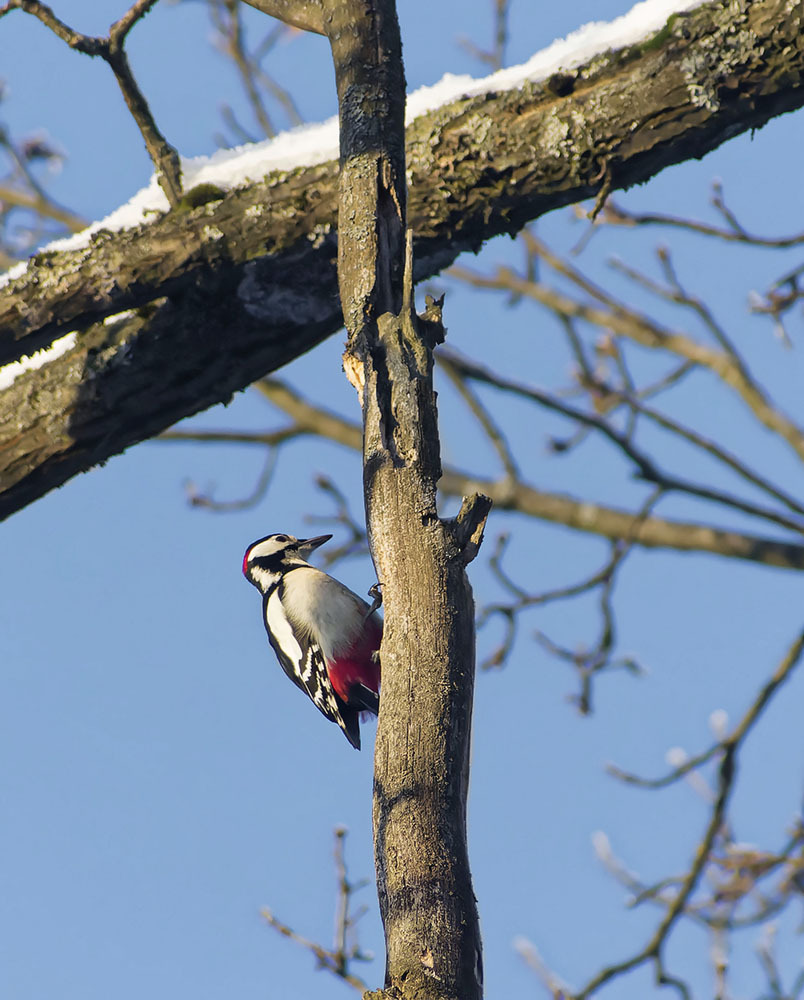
x,y
282,538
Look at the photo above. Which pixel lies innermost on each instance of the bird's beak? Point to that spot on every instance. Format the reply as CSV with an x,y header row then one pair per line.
x,y
307,545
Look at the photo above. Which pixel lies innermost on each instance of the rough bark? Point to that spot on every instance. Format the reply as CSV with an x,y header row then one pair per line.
x,y
232,288
422,751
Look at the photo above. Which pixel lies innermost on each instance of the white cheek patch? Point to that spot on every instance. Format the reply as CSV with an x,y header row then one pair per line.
x,y
269,547
263,577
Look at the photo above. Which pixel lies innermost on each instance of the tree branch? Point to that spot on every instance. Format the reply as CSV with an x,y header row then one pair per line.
x,y
237,305
39,202
421,763
728,749
616,215
338,959
518,495
110,49
647,468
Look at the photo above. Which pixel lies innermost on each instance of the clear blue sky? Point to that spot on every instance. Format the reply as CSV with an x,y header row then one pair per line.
x,y
162,780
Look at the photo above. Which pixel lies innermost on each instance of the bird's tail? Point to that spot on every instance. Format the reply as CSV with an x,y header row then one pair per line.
x,y
364,698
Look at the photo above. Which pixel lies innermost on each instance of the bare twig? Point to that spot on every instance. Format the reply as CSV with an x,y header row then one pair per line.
x,y
533,959
647,468
42,206
231,40
327,960
616,215
345,950
484,418
227,20
21,191
205,500
269,439
727,749
581,515
629,323
588,662
494,57
110,49
356,542
675,292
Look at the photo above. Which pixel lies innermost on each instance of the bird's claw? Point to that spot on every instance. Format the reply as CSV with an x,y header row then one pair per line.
x,y
375,592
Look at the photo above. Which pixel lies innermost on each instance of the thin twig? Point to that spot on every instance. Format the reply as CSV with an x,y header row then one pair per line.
x,y
728,749
324,956
721,454
110,49
356,542
629,323
484,418
579,514
338,958
226,18
647,469
616,215
205,500
676,293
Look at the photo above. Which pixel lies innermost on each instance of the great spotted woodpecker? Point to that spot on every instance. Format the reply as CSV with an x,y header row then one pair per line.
x,y
326,638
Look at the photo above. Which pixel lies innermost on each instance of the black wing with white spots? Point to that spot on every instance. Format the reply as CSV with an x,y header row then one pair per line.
x,y
303,661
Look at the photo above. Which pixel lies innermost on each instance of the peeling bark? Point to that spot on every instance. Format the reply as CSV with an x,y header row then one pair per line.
x,y
232,289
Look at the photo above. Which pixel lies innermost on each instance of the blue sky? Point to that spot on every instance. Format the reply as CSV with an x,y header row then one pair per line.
x,y
162,781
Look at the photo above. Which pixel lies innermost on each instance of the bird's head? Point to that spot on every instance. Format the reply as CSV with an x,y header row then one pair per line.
x,y
267,559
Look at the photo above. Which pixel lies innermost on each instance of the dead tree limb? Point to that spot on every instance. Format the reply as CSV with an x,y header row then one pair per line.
x,y
421,762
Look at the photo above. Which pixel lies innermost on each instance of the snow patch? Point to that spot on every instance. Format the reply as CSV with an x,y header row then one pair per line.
x,y
10,372
309,145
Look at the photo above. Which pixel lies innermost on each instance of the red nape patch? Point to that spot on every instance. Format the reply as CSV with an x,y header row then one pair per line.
x,y
245,563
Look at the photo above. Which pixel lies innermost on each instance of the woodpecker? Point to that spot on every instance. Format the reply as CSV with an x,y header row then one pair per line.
x,y
326,638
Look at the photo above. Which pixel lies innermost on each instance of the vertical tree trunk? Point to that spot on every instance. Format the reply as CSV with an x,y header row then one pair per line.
x,y
422,753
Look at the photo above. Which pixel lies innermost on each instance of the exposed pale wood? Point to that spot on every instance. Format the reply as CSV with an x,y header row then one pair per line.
x,y
304,14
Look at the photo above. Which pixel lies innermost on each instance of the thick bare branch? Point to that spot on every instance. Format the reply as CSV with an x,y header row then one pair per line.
x,y
636,111
421,763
